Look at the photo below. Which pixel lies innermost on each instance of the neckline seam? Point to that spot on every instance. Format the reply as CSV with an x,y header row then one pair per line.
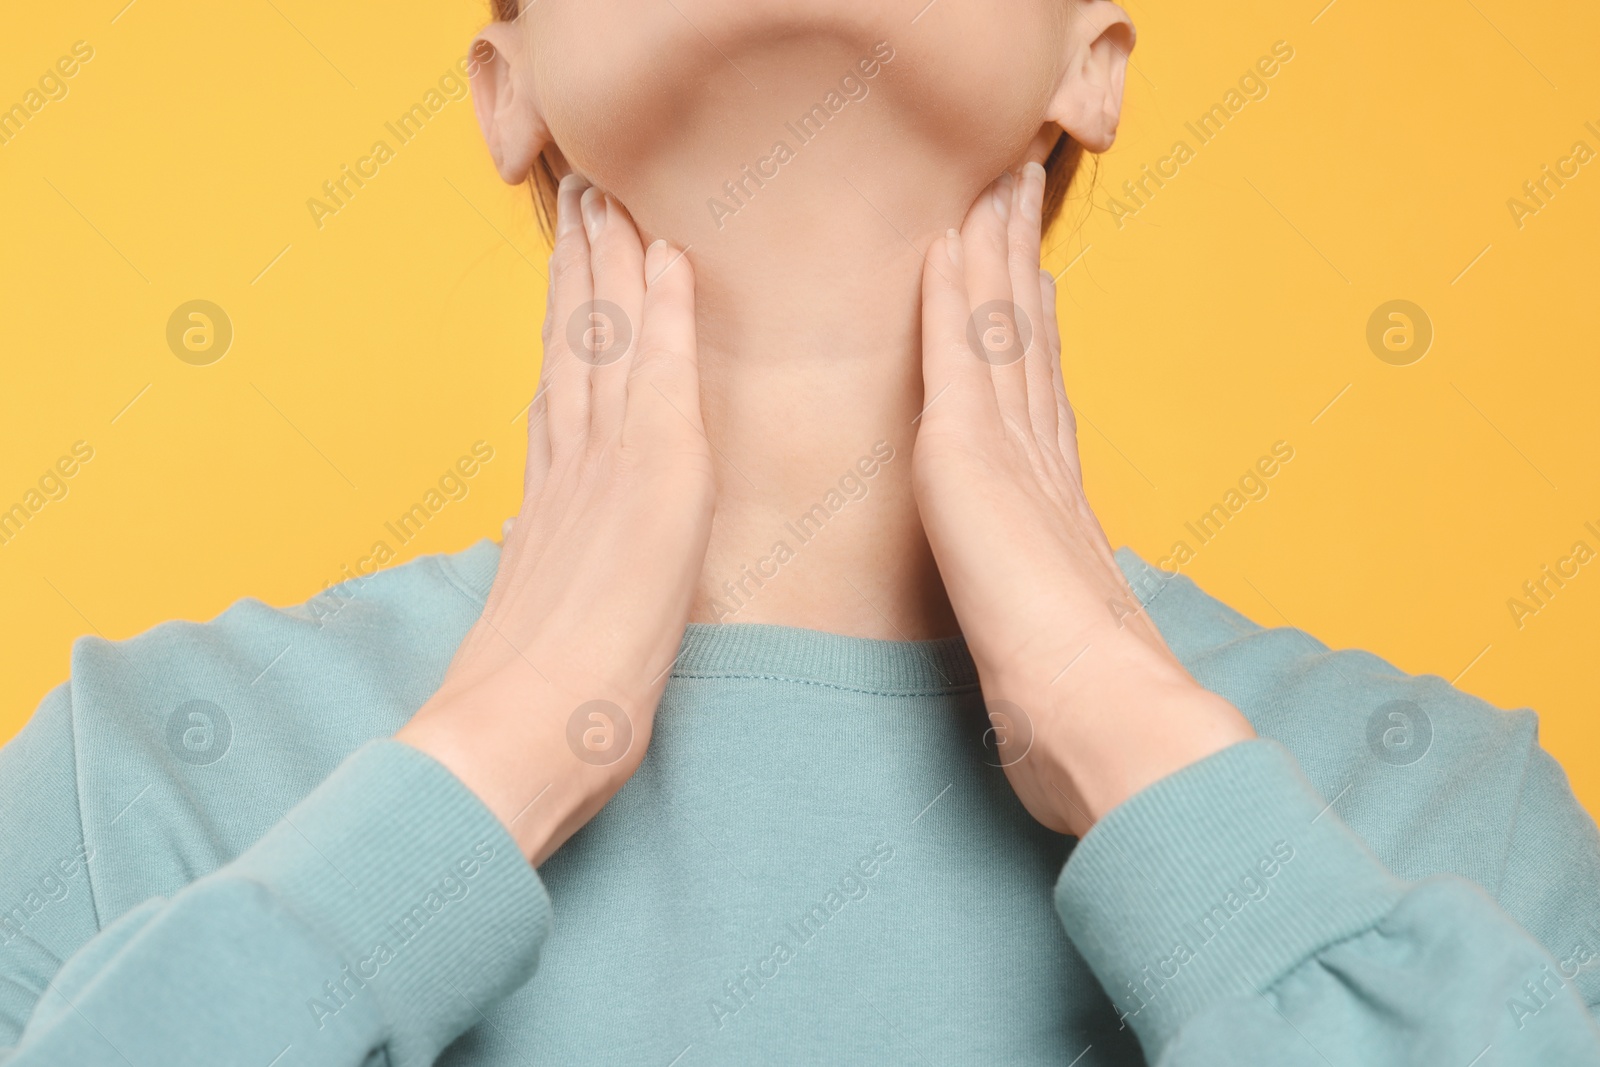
x,y
754,676
452,574
714,641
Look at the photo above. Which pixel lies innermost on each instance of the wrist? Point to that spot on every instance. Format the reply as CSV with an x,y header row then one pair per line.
x,y
1123,716
543,759
1110,754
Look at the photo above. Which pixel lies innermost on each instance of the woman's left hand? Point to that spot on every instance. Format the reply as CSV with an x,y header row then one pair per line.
x,y
1088,705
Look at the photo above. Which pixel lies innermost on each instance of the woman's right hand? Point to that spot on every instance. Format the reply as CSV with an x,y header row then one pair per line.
x,y
547,707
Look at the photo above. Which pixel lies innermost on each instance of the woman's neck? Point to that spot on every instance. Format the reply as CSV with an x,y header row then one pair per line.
x,y
811,385
808,266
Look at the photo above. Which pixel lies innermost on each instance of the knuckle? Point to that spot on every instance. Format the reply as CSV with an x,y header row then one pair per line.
x,y
671,287
566,259
607,254
655,353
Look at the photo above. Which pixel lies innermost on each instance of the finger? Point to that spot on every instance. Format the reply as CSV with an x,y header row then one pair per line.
x,y
538,467
1038,371
1066,421
664,381
985,245
617,266
558,413
514,533
953,377
565,376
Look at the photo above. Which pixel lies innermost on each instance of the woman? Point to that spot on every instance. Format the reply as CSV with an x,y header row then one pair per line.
x,y
805,676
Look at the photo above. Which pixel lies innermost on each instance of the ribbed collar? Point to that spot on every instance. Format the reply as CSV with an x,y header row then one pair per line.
x,y
755,650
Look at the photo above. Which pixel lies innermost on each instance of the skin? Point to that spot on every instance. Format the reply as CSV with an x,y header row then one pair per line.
x,y
769,353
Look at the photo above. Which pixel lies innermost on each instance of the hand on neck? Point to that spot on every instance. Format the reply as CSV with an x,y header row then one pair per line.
x,y
808,278
806,172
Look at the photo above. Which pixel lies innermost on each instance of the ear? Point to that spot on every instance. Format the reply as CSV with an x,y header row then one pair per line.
x,y
1088,102
503,99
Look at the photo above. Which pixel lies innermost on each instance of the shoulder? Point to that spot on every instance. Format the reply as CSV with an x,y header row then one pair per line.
x,y
1429,776
1435,780
191,739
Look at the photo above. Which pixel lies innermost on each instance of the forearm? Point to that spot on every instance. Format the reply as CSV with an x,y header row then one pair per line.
x,y
376,914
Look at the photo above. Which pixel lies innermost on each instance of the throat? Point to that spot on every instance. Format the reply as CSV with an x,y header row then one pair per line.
x,y
811,387
808,277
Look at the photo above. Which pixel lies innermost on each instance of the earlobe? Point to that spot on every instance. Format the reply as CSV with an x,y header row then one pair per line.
x,y
503,99
1088,102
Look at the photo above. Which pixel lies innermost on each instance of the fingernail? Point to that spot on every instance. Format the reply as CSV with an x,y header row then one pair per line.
x,y
952,246
1032,195
1048,281
594,211
1002,195
655,261
567,204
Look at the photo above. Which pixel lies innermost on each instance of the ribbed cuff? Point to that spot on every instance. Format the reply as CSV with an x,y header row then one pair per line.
x,y
1213,883
415,885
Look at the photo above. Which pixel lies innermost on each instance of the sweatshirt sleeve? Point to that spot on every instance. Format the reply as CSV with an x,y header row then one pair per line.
x,y
1232,918
377,920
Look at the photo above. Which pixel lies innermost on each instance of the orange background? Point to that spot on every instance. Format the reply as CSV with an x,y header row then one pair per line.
x,y
1228,312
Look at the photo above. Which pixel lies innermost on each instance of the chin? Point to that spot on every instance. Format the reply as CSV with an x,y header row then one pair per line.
x,y
715,85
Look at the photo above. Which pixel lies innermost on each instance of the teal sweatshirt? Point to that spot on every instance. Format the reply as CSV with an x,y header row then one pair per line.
x,y
213,854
